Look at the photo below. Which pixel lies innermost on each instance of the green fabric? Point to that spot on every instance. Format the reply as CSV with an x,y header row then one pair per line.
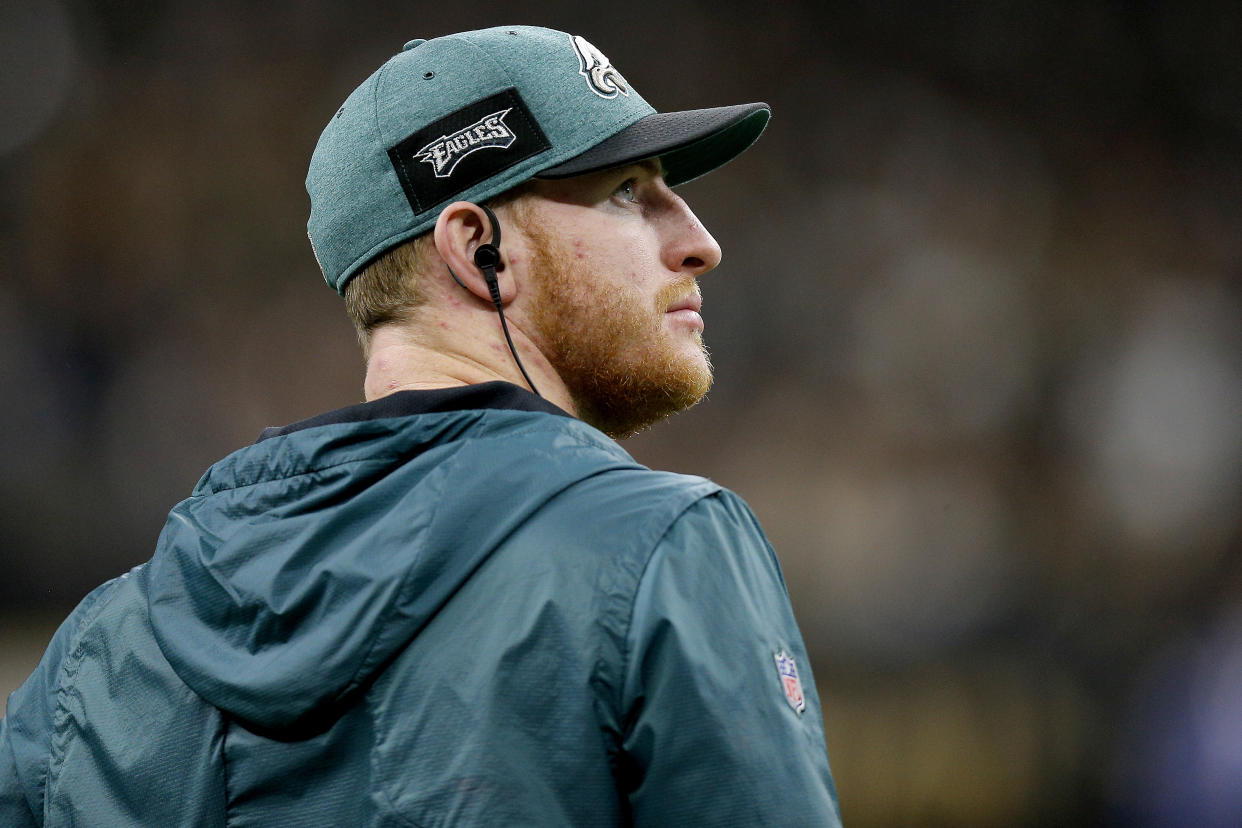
x,y
485,617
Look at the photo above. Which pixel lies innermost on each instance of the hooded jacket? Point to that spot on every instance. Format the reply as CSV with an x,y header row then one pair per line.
x,y
456,607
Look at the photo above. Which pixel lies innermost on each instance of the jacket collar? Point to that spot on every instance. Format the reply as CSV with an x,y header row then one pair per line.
x,y
495,395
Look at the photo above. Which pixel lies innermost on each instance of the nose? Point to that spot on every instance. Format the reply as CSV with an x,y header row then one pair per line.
x,y
688,247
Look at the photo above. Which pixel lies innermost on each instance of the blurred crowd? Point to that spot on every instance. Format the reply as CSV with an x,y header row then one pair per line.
x,y
976,333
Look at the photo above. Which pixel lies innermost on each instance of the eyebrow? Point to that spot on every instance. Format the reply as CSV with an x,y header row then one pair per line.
x,y
652,165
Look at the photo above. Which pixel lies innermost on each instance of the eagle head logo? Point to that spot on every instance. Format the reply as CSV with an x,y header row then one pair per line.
x,y
600,75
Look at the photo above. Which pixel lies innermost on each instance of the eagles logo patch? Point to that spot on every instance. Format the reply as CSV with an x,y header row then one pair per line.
x,y
600,75
465,147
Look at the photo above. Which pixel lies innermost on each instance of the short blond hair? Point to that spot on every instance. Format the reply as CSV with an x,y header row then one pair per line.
x,y
388,290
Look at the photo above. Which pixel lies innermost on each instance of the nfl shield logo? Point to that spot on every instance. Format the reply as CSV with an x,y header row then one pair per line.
x,y
787,668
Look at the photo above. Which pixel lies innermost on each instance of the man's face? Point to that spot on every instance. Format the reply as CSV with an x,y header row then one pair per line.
x,y
614,303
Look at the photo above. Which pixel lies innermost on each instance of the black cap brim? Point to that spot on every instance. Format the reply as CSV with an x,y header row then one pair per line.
x,y
689,144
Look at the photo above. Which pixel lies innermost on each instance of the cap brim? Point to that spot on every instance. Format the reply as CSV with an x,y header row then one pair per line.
x,y
689,144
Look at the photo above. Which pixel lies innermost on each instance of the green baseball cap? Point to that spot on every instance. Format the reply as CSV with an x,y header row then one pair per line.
x,y
471,115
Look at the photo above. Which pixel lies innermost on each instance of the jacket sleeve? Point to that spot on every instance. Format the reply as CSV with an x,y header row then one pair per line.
x,y
25,734
718,732
14,808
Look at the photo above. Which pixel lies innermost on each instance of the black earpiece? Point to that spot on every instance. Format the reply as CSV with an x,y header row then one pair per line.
x,y
487,259
487,256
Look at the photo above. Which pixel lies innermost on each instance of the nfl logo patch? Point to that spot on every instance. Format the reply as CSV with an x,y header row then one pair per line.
x,y
787,669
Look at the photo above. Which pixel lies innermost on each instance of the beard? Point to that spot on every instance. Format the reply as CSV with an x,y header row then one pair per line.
x,y
623,368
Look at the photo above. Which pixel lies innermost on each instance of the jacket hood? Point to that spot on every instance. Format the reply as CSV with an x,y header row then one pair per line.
x,y
301,565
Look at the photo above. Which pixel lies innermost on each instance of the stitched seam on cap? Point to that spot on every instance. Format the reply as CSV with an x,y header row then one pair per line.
x,y
379,78
483,52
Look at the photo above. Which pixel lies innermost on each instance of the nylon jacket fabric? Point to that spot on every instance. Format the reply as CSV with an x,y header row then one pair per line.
x,y
410,613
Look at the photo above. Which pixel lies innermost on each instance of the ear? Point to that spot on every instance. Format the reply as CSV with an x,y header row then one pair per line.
x,y
460,228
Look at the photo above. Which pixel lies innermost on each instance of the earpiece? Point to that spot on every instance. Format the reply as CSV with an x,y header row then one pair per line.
x,y
488,256
487,259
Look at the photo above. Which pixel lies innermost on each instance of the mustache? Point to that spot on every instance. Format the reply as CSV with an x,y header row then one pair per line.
x,y
677,290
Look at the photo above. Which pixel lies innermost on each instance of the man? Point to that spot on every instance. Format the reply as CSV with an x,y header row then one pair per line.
x,y
459,603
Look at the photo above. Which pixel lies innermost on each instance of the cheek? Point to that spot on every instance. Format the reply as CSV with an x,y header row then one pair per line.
x,y
618,263
638,263
615,257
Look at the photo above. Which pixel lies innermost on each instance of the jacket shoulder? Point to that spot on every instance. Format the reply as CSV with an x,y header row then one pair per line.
x,y
28,724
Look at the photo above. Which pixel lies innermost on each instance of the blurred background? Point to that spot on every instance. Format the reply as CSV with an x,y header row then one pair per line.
x,y
976,331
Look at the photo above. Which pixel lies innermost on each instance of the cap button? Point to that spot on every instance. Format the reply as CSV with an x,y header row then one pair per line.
x,y
418,41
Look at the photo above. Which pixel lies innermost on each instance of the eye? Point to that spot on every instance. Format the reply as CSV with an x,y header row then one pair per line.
x,y
626,191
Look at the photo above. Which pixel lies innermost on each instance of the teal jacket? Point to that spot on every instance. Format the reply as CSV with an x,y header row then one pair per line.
x,y
458,607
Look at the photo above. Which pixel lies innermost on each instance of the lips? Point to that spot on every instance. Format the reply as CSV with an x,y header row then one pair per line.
x,y
693,302
685,312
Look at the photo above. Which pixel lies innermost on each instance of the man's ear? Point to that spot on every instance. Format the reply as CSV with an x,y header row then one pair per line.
x,y
460,228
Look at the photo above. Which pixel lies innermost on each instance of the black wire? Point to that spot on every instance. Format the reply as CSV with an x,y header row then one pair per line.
x,y
493,286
